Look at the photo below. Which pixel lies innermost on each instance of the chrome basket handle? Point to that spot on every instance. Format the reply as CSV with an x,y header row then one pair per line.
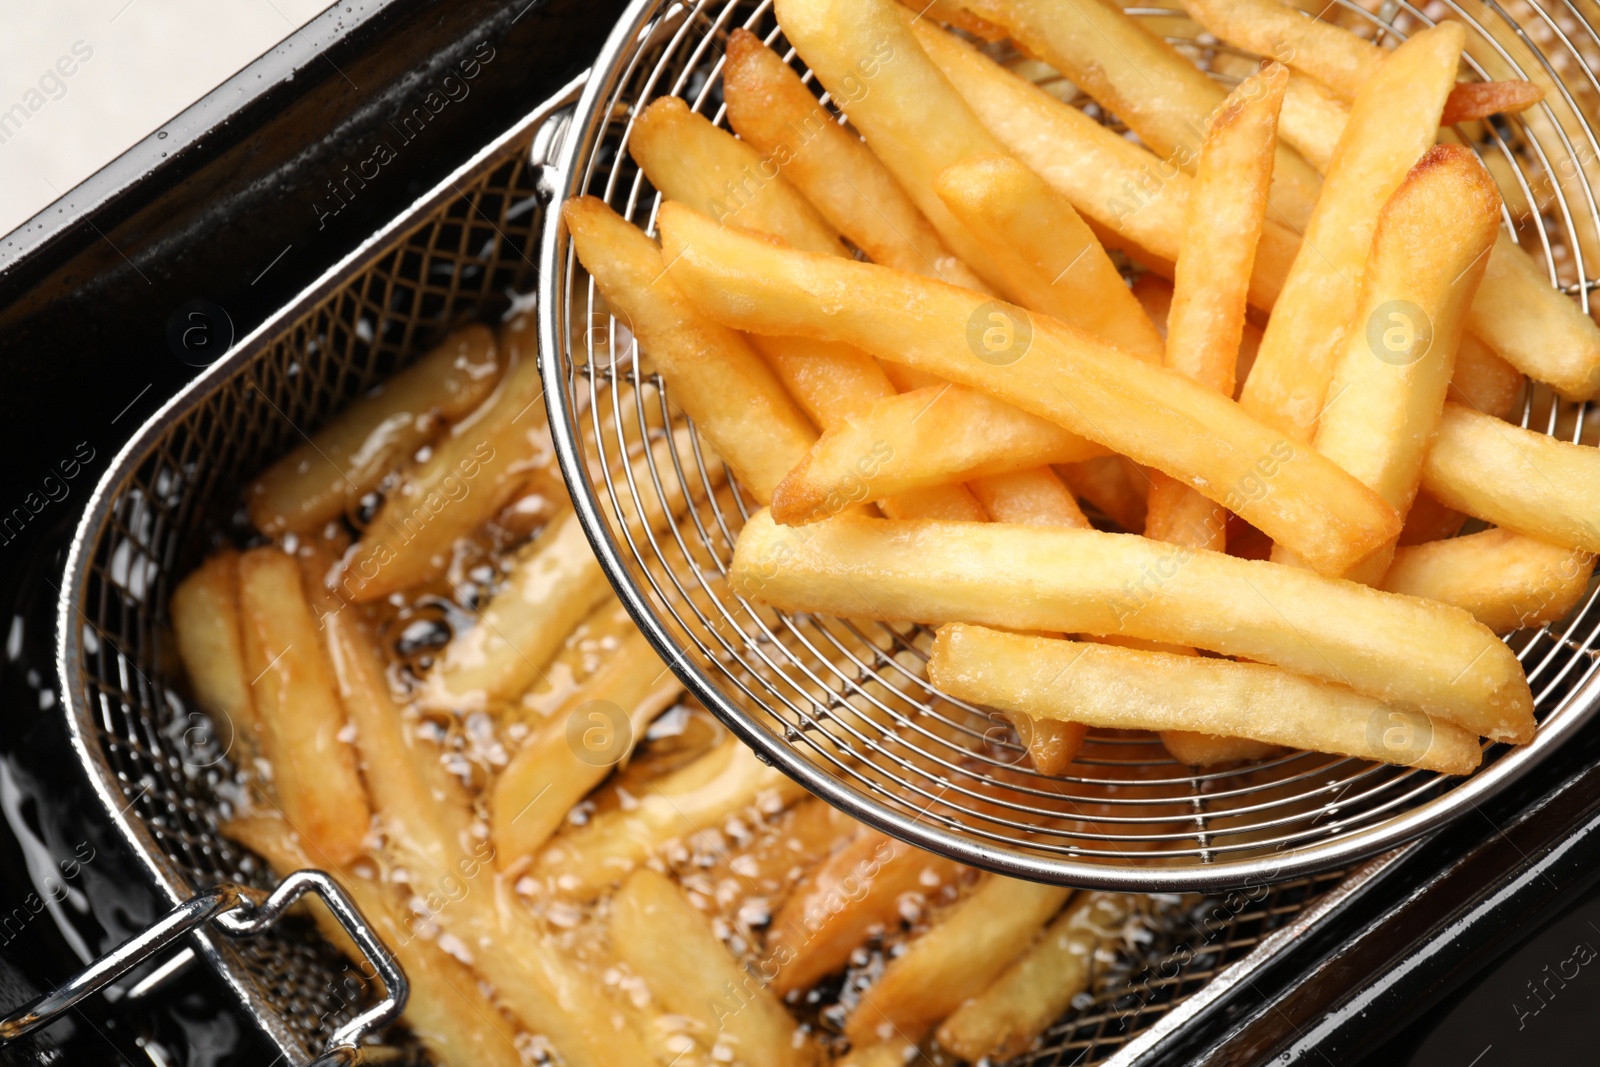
x,y
241,912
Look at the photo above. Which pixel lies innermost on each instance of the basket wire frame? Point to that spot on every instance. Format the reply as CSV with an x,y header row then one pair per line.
x,y
845,706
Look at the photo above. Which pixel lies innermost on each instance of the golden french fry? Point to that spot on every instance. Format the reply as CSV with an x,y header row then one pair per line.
x,y
324,477
771,108
302,720
1150,414
205,622
1506,580
1470,101
1049,256
1032,497
1515,478
1208,750
1428,255
1392,123
1004,1020
471,474
957,959
895,1052
951,13
1485,381
915,440
1534,326
1133,689
1313,120
1115,486
670,945
1142,80
713,374
1430,520
1407,651
580,744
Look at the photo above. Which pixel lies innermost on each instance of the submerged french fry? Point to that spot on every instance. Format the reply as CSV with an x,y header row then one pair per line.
x,y
302,720
205,622
1403,650
958,958
1518,479
1050,257
1150,414
1132,689
325,477
1507,581
669,944
1392,123
713,374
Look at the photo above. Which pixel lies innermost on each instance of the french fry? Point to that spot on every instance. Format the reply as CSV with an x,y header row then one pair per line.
x,y
1050,258
205,624
302,721
1004,1020
1430,520
951,13
669,944
1507,581
919,439
831,382
548,775
1208,750
1534,326
957,959
1147,413
714,375
1518,479
1132,689
1032,497
1392,123
583,861
1471,101
1428,255
772,109
447,1009
1114,485
1485,381
471,474
1314,121
326,475
895,1052
1407,651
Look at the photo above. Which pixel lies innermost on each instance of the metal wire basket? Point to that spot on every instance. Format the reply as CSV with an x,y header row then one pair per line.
x,y
946,775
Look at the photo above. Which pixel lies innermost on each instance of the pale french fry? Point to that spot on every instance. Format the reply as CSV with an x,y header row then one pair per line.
x,y
1408,651
1428,255
471,474
447,1008
1050,258
1506,580
1004,1020
325,476
1534,326
713,374
1142,80
1313,120
302,720
1517,479
915,440
771,108
1114,485
554,584
551,773
669,944
957,959
1132,689
1392,123
205,624
582,862
1150,414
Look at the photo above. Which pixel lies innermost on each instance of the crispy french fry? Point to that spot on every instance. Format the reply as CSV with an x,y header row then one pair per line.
x,y
957,959
669,944
1150,414
1400,649
471,474
1470,101
324,477
1050,257
1515,478
1004,1020
1032,497
582,862
1485,381
314,771
920,439
205,623
1506,580
550,773
772,109
714,375
1142,80
831,382
1392,123
1114,485
1132,689
1428,255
